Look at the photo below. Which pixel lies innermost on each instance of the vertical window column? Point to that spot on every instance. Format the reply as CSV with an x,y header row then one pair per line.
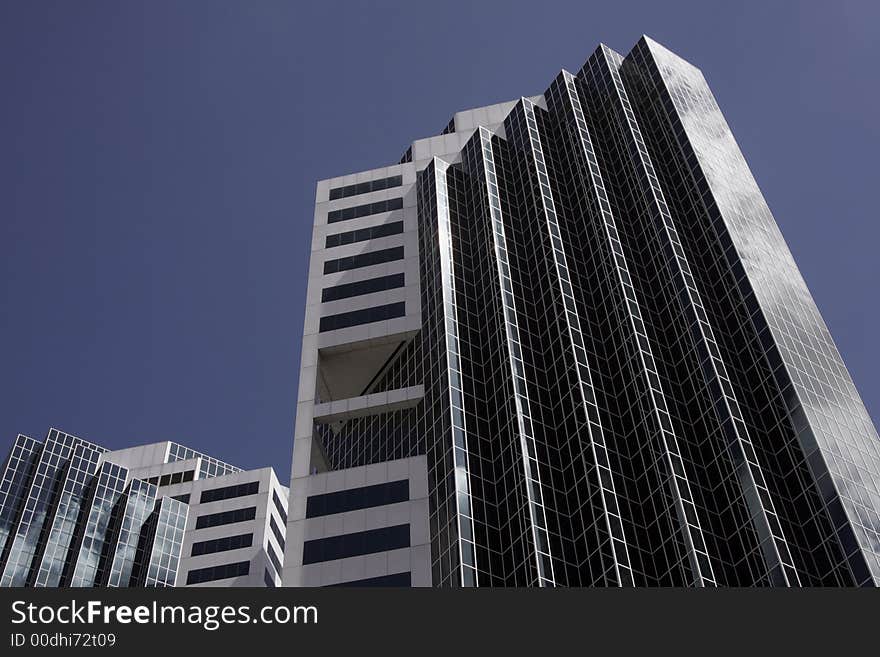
x,y
110,486
467,551
749,475
613,529
542,555
82,467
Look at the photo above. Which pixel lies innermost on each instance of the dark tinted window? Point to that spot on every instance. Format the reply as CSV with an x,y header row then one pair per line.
x,y
363,260
364,210
228,492
171,478
368,286
226,517
352,545
277,531
268,579
279,506
223,571
181,498
355,317
357,498
364,234
397,579
366,187
223,544
273,558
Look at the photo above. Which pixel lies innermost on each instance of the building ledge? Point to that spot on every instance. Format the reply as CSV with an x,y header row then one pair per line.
x,y
372,404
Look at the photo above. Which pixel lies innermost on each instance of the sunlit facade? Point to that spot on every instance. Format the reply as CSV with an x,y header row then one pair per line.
x,y
577,308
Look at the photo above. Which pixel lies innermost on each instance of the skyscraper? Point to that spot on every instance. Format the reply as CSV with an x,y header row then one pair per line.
x,y
75,514
573,317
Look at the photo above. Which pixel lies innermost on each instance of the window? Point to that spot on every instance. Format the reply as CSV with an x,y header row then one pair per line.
x,y
171,478
363,260
226,517
268,580
356,317
277,531
223,544
397,579
228,492
279,506
357,498
366,187
352,545
181,498
359,288
273,558
364,210
364,234
213,573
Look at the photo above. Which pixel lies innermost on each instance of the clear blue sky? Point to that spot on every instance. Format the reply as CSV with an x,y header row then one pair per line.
x,y
158,162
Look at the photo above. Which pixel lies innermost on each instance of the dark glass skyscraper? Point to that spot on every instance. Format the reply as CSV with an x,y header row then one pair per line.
x,y
579,310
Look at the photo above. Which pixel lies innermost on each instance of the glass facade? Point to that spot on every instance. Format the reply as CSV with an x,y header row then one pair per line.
x,y
210,467
68,510
108,489
626,380
129,544
812,432
164,558
38,508
70,517
14,485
